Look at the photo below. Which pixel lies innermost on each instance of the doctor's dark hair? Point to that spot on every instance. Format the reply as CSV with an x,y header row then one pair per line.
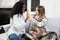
x,y
17,9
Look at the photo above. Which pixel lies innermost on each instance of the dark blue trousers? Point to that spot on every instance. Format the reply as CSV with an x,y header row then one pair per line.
x,y
15,37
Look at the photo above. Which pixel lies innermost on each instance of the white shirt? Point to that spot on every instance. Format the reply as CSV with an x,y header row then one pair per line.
x,y
17,24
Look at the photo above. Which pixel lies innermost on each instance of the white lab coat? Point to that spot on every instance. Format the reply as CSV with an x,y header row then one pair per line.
x,y
17,24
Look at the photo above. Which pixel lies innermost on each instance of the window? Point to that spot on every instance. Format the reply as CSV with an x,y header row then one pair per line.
x,y
34,3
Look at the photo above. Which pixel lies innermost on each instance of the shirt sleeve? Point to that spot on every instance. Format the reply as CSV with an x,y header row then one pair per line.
x,y
42,23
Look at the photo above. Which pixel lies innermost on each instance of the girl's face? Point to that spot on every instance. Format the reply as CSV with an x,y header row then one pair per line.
x,y
36,11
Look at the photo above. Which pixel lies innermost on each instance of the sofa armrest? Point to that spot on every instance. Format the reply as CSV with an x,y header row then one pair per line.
x,y
6,27
4,36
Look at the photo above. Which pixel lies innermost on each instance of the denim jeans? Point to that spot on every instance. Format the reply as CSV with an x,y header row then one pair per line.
x,y
15,37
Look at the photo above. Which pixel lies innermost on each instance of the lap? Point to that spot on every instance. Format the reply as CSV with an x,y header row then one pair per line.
x,y
15,37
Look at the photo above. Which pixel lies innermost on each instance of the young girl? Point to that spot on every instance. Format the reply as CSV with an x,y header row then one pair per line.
x,y
39,20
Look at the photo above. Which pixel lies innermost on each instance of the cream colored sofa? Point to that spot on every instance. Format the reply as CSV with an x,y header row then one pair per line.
x,y
4,36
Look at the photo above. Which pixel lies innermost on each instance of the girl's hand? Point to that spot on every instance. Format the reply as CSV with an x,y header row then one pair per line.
x,y
36,32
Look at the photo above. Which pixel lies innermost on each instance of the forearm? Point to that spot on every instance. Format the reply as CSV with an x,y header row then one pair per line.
x,y
26,19
27,15
42,23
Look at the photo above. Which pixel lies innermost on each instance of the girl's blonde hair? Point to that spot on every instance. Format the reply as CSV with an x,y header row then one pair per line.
x,y
41,10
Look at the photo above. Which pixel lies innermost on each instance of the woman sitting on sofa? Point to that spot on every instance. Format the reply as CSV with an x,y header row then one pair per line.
x,y
19,19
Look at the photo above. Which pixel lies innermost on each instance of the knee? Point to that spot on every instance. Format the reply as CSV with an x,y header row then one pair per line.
x,y
20,37
12,36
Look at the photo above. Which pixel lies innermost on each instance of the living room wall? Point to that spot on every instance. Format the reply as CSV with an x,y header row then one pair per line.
x,y
52,8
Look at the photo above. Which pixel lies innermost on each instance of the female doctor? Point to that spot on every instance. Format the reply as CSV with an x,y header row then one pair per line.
x,y
18,21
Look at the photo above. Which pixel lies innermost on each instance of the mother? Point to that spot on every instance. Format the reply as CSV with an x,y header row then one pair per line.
x,y
18,18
